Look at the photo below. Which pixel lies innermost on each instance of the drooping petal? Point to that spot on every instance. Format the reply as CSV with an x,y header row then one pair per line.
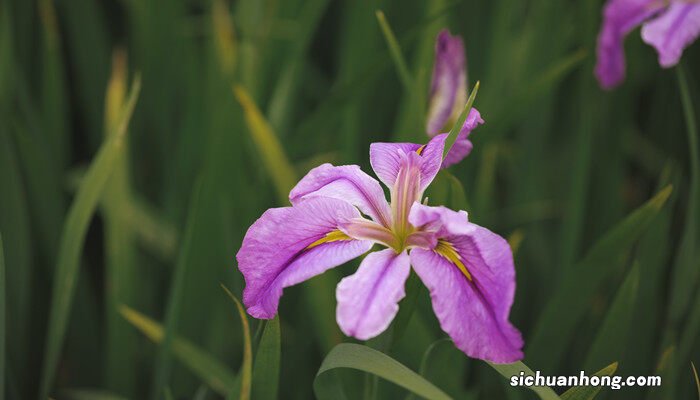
x,y
387,158
463,146
368,299
346,182
671,32
473,308
448,89
619,18
289,245
439,220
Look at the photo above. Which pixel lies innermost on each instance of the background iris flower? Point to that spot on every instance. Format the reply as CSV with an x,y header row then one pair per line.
x,y
667,25
448,95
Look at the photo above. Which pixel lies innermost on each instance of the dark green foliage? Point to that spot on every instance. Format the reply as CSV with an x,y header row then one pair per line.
x,y
108,217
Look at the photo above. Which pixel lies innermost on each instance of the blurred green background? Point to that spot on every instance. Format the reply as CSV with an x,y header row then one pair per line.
x,y
102,209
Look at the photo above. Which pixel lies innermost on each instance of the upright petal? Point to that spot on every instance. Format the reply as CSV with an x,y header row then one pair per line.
x,y
289,245
619,18
387,159
448,90
348,183
673,31
473,307
368,299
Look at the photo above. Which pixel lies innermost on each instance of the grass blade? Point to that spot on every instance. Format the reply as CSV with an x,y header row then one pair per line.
x,y
89,394
613,335
363,358
509,370
72,239
247,367
697,380
121,276
396,54
2,317
172,312
266,371
589,392
216,375
555,328
452,137
685,273
271,151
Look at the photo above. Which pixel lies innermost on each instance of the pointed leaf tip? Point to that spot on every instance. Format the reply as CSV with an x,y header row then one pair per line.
x,y
661,197
452,136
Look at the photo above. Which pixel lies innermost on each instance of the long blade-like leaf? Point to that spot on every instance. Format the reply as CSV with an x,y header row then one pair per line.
x,y
395,50
271,151
216,375
266,371
2,317
173,308
363,358
247,367
510,370
73,238
570,299
614,333
589,392
697,380
452,137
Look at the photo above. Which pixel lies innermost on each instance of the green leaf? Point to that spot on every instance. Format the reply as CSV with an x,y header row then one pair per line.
x,y
509,370
685,274
440,353
589,392
571,298
2,316
407,307
216,375
447,190
452,137
89,394
271,150
175,295
73,237
396,54
613,335
363,358
281,102
266,371
247,367
514,108
697,380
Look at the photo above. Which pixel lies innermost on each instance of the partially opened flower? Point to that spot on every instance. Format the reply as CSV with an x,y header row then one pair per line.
x,y
668,25
339,213
448,96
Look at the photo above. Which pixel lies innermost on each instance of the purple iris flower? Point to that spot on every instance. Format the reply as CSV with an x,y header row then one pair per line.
x,y
339,213
668,25
448,96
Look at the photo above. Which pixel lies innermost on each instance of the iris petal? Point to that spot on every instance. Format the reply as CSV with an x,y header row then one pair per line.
x,y
474,312
671,32
347,183
282,249
448,89
368,299
619,18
